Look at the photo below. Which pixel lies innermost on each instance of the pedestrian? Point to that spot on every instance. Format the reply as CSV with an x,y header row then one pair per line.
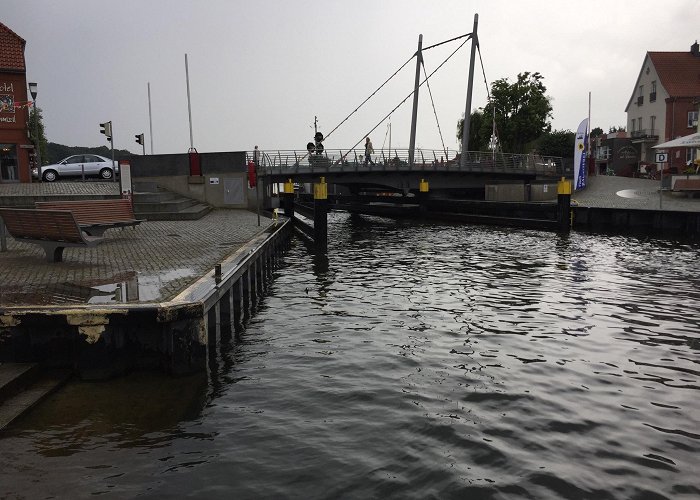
x,y
256,155
369,150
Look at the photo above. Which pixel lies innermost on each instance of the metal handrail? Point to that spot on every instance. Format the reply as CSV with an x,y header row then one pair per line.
x,y
294,161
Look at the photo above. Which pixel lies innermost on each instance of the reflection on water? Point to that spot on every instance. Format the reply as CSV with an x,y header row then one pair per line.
x,y
417,361
121,288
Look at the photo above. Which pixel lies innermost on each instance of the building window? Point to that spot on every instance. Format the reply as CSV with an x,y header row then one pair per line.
x,y
690,155
652,94
634,125
640,124
602,153
692,119
652,125
9,171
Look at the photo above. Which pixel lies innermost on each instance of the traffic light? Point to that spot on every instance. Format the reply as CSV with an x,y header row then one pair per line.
x,y
318,139
139,138
106,129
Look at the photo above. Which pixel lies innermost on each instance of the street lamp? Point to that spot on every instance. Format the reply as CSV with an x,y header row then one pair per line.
x,y
37,154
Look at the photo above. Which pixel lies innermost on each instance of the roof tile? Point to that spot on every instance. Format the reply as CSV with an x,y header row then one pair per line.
x,y
679,72
11,50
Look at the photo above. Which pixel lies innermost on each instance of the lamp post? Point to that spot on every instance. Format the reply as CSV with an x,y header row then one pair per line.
x,y
37,153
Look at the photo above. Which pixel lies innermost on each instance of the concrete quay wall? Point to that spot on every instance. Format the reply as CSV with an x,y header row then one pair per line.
x,y
177,336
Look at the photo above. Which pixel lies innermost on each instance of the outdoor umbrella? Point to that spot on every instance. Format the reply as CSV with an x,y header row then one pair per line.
x,y
688,141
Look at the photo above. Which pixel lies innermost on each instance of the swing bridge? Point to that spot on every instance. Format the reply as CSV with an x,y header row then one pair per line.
x,y
403,169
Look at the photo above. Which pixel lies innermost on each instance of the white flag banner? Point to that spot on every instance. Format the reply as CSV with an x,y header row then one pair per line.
x,y
580,149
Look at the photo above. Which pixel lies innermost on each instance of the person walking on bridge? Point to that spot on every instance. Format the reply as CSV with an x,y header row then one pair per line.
x,y
369,150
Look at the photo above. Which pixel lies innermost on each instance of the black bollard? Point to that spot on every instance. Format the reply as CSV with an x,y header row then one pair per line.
x,y
288,199
423,189
321,215
564,205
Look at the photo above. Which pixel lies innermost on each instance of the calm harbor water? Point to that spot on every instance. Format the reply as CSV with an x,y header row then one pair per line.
x,y
418,361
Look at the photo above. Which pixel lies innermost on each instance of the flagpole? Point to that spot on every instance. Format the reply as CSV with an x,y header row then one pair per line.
x,y
150,120
588,133
189,108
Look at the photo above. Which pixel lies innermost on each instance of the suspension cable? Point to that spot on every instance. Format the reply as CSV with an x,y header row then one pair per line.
x,y
403,101
483,71
488,95
448,41
372,95
434,110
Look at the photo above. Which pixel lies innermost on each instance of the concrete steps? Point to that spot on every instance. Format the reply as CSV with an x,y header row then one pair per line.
x,y
24,385
152,202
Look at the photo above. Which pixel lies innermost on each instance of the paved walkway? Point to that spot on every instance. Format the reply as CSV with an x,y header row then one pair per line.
x,y
89,187
152,262
625,192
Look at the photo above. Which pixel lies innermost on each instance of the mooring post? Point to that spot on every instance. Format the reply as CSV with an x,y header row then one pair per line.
x,y
236,304
3,238
321,215
564,205
288,198
423,188
245,294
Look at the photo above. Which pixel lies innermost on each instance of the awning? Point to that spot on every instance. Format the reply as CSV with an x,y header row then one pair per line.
x,y
689,141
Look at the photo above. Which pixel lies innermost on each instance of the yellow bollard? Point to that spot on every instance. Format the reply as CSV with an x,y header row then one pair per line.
x,y
563,186
321,190
423,186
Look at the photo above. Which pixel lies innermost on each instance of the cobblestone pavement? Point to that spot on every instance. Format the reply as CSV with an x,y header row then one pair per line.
x,y
625,192
157,258
89,187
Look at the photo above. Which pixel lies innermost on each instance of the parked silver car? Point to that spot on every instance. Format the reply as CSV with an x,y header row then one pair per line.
x,y
77,166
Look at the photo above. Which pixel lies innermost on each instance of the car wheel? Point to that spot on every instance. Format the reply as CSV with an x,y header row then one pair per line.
x,y
106,173
50,176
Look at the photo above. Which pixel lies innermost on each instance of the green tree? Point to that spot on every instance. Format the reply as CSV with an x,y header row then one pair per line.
x,y
34,115
557,143
479,131
597,132
523,111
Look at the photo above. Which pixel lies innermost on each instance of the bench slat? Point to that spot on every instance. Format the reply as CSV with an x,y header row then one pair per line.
x,y
96,216
53,230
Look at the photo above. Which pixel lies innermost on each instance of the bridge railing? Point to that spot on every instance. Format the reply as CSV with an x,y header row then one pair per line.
x,y
289,162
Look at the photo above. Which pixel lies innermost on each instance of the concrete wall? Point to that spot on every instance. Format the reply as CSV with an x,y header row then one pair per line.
x,y
220,172
521,192
505,192
543,192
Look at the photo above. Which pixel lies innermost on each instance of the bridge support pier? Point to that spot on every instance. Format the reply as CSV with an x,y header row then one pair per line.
x,y
288,199
321,215
423,189
564,205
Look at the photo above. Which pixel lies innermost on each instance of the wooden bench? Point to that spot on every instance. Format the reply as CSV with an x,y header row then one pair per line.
x,y
96,216
53,230
688,186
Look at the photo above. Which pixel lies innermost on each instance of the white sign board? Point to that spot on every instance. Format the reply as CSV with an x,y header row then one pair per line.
x,y
125,178
661,157
213,180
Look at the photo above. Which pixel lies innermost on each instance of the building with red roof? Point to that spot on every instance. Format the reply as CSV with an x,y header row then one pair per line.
x,y
16,150
664,104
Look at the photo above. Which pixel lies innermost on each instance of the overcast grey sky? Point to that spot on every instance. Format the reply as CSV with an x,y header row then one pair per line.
x,y
261,70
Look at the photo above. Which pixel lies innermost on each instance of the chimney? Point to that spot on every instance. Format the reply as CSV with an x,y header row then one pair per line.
x,y
695,49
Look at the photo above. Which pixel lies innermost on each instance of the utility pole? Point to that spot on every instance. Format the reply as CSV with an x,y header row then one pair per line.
x,y
470,86
150,119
